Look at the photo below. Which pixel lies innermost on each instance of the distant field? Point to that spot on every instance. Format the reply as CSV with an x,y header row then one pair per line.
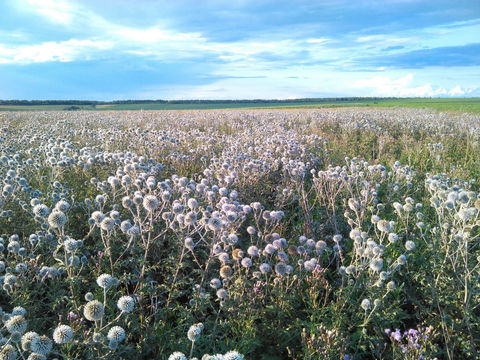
x,y
471,105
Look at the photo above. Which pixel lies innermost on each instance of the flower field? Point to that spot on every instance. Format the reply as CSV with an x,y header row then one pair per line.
x,y
240,234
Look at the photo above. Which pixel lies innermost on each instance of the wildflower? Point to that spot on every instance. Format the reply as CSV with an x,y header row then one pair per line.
x,y
93,310
215,283
57,219
106,281
226,271
194,332
384,226
251,230
392,237
252,251
280,268
246,262
233,355
8,352
365,304
376,265
150,203
27,340
62,334
125,304
116,334
177,355
107,224
264,268
41,210
41,345
16,323
214,224
222,294
409,245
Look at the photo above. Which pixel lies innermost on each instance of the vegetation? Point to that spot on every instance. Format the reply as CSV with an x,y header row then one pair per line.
x,y
249,234
471,105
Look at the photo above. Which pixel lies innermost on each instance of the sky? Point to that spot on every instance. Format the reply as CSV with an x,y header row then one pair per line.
x,y
238,49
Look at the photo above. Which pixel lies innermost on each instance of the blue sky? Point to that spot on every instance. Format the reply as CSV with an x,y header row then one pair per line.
x,y
238,49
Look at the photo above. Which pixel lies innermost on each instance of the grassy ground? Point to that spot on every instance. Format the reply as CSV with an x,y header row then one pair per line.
x,y
471,105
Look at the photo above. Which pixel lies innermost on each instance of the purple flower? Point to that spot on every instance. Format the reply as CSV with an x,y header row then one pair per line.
x,y
72,315
388,331
397,335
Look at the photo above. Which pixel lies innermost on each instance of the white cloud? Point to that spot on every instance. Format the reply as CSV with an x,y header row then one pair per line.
x,y
456,91
64,51
317,41
58,11
402,87
385,86
155,35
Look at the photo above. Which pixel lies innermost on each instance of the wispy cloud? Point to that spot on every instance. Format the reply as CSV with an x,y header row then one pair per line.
x,y
251,48
57,11
64,51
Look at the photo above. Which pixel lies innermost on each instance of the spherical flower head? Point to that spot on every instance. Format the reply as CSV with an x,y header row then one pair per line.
x,y
391,285
8,352
392,237
384,226
365,304
189,243
409,245
41,210
97,337
93,310
113,345
281,268
125,304
116,334
27,340
16,337
177,355
194,332
192,203
106,281
57,219
214,224
62,334
264,268
246,262
251,230
88,296
215,283
62,205
16,323
252,251
222,294
107,224
41,345
98,216
127,202
233,355
376,265
226,271
150,203
18,310
34,356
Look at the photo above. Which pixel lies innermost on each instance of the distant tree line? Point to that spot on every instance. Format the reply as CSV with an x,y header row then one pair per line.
x,y
255,101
